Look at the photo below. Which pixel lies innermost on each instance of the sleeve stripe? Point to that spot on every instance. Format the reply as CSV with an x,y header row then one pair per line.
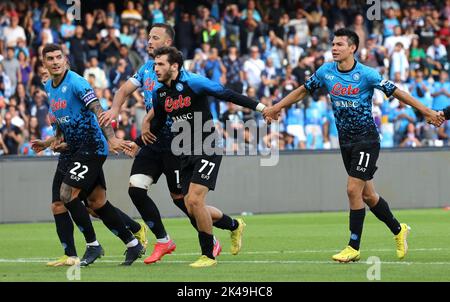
x,y
91,101
135,82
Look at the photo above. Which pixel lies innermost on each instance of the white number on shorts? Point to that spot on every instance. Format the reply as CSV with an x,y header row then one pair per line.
x,y
205,163
77,166
362,157
177,174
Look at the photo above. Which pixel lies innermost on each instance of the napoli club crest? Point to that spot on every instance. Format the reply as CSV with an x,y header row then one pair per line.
x,y
179,87
356,76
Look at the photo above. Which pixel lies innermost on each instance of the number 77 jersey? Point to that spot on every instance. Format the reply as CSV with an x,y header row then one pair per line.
x,y
351,95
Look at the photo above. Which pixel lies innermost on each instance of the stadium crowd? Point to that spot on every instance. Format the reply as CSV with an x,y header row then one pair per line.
x,y
263,49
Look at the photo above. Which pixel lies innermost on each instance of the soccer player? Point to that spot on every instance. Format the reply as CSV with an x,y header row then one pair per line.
x,y
181,95
156,159
63,221
73,108
350,85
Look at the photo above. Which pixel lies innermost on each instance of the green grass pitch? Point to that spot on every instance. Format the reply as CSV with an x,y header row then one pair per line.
x,y
278,247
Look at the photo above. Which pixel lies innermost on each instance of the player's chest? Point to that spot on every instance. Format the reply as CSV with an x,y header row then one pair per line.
x,y
349,85
176,101
61,103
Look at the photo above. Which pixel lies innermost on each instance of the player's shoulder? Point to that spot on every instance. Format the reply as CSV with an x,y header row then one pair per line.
x,y
367,70
191,78
75,79
147,66
326,67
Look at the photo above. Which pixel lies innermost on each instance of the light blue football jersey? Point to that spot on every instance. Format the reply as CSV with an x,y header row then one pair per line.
x,y
351,97
68,108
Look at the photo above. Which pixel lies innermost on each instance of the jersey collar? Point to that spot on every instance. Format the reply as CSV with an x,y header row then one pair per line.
x,y
64,77
346,71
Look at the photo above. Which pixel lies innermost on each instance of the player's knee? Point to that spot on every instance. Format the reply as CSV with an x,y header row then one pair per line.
x,y
141,181
371,198
193,200
95,204
368,197
353,191
58,208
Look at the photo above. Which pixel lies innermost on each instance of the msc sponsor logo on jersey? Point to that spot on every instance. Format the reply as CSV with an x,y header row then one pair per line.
x,y
179,87
149,85
338,89
178,103
64,119
61,120
347,104
58,104
64,89
183,117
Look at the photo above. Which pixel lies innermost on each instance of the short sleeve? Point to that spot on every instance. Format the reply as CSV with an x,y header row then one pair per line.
x,y
84,91
377,81
314,82
138,78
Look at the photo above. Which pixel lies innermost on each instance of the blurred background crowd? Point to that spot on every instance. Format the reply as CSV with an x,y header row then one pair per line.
x,y
263,49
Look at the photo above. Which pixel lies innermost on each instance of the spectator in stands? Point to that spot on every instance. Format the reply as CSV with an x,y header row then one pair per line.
x,y
100,77
390,23
441,92
399,62
12,68
253,68
12,135
14,31
24,68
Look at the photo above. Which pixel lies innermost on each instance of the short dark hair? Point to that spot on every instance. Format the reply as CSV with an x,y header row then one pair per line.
x,y
50,48
173,55
168,28
352,37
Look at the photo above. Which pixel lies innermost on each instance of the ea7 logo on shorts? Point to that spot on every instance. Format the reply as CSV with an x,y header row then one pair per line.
x,y
359,168
80,174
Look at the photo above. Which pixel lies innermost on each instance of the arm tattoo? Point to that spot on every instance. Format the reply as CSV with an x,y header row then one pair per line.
x,y
108,130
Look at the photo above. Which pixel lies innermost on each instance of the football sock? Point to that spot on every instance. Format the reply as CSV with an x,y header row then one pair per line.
x,y
206,243
81,218
382,212
356,227
163,240
94,243
132,225
112,220
64,229
226,223
148,210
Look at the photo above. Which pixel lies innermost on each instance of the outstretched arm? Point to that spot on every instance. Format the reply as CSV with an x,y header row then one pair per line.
x,y
121,95
431,116
295,96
